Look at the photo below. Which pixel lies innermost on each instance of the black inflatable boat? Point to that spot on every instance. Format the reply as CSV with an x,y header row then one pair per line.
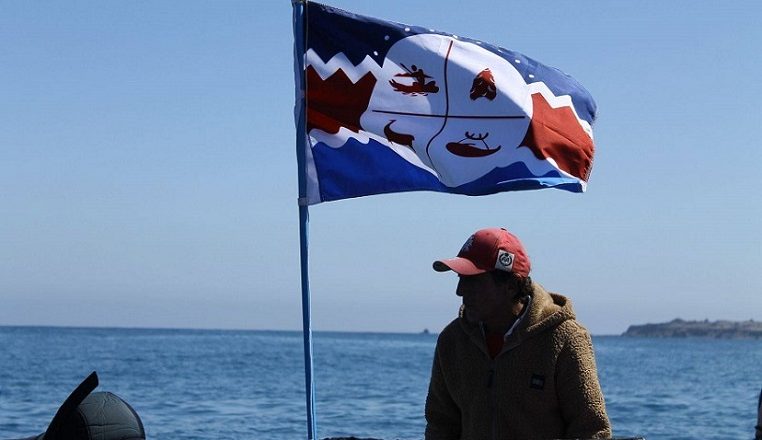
x,y
86,415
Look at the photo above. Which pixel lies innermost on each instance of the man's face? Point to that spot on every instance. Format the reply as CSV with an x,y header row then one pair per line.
x,y
483,297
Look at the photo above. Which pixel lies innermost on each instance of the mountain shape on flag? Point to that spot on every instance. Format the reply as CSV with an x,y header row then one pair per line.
x,y
336,101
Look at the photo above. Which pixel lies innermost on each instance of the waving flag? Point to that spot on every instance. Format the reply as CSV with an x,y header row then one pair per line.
x,y
392,108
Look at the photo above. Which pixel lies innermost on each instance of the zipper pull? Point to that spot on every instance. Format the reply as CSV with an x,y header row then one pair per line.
x,y
490,378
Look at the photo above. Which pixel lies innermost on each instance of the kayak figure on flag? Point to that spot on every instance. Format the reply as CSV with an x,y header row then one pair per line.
x,y
419,86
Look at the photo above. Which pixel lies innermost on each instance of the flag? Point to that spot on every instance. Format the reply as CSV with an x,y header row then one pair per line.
x,y
394,108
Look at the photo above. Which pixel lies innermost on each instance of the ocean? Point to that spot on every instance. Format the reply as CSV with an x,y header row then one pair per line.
x,y
213,385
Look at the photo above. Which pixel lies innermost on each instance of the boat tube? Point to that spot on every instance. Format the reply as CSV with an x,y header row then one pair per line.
x,y
85,415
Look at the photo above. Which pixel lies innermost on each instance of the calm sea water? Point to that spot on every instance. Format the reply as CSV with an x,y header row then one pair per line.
x,y
212,385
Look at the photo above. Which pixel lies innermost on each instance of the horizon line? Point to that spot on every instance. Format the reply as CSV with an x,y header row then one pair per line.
x,y
215,329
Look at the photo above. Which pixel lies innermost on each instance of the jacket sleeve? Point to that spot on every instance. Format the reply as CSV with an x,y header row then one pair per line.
x,y
442,414
579,392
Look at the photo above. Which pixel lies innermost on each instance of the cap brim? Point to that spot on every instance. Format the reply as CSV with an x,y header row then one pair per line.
x,y
459,265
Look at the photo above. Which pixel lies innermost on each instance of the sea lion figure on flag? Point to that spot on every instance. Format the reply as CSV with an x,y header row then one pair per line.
x,y
393,108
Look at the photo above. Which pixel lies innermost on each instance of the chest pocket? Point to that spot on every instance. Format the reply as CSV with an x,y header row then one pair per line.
x,y
537,382
538,393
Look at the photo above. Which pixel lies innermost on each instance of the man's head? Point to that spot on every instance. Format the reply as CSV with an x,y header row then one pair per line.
x,y
493,268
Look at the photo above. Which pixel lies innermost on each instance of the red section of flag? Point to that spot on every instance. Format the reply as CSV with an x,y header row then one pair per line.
x,y
337,102
555,133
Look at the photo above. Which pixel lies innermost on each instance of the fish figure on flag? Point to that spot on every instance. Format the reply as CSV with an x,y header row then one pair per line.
x,y
393,108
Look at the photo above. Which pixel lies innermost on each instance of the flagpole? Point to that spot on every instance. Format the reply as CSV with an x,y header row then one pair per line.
x,y
299,11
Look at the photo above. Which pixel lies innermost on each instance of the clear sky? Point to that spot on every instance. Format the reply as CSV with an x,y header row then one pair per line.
x,y
148,171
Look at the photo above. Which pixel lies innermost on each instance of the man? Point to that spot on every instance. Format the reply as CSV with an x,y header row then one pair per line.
x,y
515,364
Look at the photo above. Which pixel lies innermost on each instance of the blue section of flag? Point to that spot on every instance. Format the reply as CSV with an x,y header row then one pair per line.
x,y
357,169
517,177
333,31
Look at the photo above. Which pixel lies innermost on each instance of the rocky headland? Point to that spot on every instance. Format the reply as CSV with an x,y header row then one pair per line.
x,y
678,328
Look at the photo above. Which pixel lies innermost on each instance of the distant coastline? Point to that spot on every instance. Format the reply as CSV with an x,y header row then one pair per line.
x,y
678,328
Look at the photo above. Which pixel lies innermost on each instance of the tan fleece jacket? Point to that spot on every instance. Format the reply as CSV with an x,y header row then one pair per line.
x,y
542,385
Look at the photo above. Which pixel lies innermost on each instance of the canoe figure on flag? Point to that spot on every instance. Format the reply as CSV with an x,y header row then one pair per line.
x,y
468,149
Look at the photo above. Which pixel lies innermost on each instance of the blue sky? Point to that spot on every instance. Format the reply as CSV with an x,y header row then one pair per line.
x,y
148,171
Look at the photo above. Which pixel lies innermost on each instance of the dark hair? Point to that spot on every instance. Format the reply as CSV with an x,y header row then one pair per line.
x,y
522,285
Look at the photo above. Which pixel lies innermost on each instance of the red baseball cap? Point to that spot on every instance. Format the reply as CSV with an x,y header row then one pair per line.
x,y
486,250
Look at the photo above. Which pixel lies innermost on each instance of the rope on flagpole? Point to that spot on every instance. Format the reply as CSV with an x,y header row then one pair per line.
x,y
299,13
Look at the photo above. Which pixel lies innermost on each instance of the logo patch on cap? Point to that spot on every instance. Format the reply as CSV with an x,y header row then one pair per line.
x,y
504,260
